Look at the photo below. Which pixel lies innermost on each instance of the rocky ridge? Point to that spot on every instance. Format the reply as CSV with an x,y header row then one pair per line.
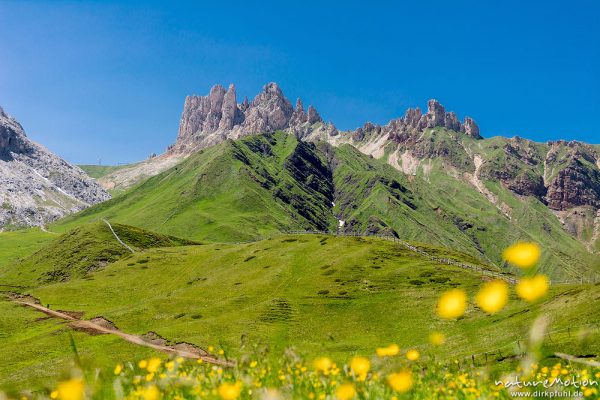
x,y
36,186
211,119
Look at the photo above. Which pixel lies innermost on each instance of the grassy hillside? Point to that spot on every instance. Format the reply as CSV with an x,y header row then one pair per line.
x,y
320,294
231,192
98,171
17,244
79,252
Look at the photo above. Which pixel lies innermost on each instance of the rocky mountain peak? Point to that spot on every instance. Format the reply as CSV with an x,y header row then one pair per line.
x,y
313,116
36,186
471,128
436,114
211,119
415,122
208,120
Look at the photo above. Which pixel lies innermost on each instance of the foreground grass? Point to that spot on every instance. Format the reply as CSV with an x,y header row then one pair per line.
x,y
396,376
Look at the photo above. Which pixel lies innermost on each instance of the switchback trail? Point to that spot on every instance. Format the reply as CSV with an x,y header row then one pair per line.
x,y
98,328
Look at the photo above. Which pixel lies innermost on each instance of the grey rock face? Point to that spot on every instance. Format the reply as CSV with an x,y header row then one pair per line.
x,y
414,123
436,114
36,186
208,120
471,128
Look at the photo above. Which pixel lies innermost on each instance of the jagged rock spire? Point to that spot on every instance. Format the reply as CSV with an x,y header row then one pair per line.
x,y
207,120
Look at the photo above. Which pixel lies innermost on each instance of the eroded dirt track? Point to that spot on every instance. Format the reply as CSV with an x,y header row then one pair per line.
x,y
100,325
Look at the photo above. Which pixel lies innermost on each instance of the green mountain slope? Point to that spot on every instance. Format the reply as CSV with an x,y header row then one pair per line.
x,y
81,251
320,294
98,171
259,185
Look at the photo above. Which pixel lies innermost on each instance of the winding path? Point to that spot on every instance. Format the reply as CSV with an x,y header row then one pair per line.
x,y
91,326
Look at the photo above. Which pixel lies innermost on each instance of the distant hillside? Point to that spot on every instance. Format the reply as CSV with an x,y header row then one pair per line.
x,y
81,251
256,186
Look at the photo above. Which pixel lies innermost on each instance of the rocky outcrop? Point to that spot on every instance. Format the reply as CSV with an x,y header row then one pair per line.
x,y
208,120
414,122
470,128
37,186
577,184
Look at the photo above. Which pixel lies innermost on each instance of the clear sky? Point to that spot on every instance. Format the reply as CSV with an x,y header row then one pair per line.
x,y
107,80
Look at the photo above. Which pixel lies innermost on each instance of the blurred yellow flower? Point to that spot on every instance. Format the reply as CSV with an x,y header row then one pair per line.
x,y
322,364
400,381
54,394
412,355
345,392
523,254
492,296
153,364
360,366
437,338
531,289
388,351
230,391
452,304
118,369
150,393
143,364
71,389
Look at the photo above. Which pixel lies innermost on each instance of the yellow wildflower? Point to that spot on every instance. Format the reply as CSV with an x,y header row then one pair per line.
x,y
522,254
118,369
493,296
230,391
360,367
54,394
143,364
400,381
390,350
323,364
153,364
150,393
531,289
412,355
71,389
345,392
452,304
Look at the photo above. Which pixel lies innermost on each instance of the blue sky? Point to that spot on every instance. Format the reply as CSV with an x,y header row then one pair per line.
x,y
107,80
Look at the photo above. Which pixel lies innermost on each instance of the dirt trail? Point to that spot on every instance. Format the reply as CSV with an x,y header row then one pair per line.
x,y
117,236
97,326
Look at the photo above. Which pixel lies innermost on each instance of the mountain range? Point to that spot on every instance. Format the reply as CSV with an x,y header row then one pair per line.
x,y
240,171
